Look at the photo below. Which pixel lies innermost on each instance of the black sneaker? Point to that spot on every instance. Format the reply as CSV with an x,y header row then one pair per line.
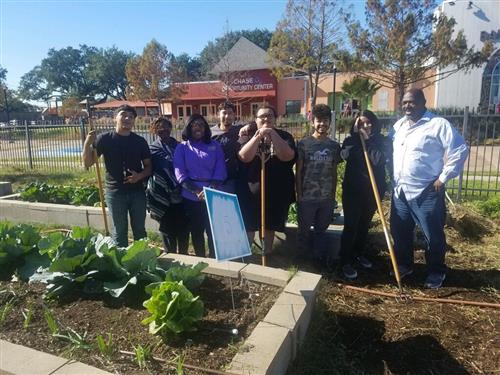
x,y
403,271
434,280
364,262
349,272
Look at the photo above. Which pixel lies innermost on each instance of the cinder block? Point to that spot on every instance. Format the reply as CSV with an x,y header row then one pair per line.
x,y
16,211
266,275
225,269
17,359
5,188
304,284
267,351
186,259
78,368
294,313
67,215
95,219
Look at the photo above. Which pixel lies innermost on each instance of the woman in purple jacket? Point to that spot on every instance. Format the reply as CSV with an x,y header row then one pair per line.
x,y
198,162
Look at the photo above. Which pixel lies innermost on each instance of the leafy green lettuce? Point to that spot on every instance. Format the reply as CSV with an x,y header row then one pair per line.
x,y
173,308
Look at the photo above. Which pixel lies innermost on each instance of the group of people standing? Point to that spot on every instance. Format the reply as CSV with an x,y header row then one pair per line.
x,y
226,157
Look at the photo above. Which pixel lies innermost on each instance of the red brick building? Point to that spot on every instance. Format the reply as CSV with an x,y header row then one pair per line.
x,y
245,80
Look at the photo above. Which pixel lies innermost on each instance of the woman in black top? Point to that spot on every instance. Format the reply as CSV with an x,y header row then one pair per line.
x,y
164,192
358,201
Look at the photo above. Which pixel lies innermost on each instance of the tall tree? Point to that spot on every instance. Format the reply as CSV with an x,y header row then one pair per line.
x,y
71,108
360,88
9,100
188,67
107,70
3,75
33,86
405,41
64,71
153,75
77,72
216,50
306,39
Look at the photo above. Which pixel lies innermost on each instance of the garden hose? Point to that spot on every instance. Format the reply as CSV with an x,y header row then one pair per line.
x,y
422,299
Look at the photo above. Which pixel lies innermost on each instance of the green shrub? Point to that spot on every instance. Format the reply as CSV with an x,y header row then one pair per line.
x,y
490,207
86,195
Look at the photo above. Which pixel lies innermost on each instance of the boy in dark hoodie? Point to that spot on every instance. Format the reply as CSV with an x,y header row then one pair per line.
x,y
358,201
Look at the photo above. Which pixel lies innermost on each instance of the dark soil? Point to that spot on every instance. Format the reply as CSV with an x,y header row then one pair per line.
x,y
212,346
350,332
357,333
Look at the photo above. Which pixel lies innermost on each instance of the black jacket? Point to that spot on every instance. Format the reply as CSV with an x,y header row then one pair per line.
x,y
356,177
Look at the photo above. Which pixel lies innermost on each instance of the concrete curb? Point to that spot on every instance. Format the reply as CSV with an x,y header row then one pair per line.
x,y
275,341
63,214
20,360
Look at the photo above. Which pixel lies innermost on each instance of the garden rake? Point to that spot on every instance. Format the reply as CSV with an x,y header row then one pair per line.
x,y
264,153
402,297
98,173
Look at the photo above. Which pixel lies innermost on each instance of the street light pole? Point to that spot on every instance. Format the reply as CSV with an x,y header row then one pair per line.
x,y
334,120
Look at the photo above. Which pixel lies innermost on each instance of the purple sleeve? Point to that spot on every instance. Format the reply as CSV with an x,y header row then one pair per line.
x,y
220,173
180,164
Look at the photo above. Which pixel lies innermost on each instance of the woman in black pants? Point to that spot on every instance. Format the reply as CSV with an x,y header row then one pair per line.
x,y
198,163
164,192
358,201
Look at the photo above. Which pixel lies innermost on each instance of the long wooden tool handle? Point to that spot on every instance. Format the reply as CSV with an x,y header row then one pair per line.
x,y
99,178
263,206
381,214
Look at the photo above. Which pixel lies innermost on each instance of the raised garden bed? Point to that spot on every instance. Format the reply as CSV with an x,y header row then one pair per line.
x,y
212,346
95,294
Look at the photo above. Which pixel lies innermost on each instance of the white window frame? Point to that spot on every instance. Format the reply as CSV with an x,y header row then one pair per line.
x,y
184,109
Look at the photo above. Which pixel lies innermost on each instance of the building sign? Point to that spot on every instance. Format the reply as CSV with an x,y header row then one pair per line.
x,y
492,36
253,81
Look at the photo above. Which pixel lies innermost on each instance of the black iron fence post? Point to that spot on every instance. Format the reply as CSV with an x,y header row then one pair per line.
x,y
82,131
28,144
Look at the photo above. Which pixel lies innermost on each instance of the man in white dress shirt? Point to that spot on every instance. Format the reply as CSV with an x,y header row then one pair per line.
x,y
427,153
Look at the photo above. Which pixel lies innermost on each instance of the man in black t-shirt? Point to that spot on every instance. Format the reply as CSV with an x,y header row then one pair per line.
x,y
128,162
227,135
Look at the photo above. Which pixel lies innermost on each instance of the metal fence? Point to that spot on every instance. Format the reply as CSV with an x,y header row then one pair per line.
x,y
57,147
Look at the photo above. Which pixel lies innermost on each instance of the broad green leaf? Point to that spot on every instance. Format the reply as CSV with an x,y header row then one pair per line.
x,y
116,288
81,233
139,256
49,244
32,262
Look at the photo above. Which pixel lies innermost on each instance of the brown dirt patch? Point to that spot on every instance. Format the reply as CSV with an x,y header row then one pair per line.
x,y
212,346
356,333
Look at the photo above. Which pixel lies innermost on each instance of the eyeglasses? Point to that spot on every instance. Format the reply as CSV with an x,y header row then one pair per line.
x,y
266,115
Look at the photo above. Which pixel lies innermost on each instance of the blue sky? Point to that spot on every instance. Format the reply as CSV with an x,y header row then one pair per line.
x,y
29,28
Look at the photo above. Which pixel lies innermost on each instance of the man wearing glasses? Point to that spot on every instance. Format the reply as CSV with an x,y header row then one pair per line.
x,y
280,181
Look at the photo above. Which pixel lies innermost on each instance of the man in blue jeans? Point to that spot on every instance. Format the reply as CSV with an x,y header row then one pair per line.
x,y
427,153
128,162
